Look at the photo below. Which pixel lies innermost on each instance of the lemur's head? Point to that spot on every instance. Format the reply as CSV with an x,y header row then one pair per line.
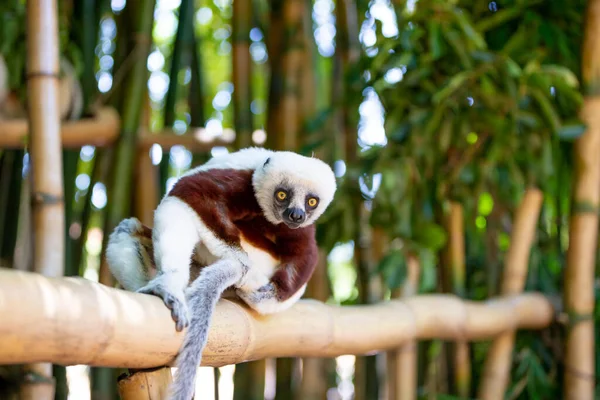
x,y
293,189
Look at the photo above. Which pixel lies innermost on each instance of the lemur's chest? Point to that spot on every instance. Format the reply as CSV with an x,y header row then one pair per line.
x,y
258,239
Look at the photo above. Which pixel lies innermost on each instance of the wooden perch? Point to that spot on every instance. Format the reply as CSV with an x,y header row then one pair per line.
x,y
76,321
101,130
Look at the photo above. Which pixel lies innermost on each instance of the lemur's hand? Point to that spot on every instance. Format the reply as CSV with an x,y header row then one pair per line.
x,y
173,299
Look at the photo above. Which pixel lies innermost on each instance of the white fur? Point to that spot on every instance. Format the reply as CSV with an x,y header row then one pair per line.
x,y
178,229
263,266
304,174
272,305
123,260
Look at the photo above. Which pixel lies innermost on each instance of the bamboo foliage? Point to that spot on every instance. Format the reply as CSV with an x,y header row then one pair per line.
x,y
46,160
497,368
132,330
579,369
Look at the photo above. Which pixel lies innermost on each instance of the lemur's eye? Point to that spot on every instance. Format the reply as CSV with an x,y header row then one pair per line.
x,y
281,195
312,202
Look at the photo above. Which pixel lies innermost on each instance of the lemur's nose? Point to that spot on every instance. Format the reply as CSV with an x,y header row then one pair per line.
x,y
296,215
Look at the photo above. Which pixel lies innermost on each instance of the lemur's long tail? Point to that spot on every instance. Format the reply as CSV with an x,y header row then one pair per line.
x,y
202,297
129,254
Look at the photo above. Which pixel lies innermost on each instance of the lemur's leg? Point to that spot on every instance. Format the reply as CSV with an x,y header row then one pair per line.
x,y
174,236
265,299
202,297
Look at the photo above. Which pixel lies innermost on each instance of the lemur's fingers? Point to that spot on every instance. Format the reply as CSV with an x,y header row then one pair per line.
x,y
174,302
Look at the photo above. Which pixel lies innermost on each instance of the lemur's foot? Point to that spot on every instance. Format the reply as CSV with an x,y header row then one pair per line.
x,y
174,302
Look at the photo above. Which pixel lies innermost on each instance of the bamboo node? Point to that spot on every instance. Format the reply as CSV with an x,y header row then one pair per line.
x,y
40,198
33,377
42,74
573,318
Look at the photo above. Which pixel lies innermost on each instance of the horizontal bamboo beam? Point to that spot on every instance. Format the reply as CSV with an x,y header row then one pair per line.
x,y
101,130
195,141
75,321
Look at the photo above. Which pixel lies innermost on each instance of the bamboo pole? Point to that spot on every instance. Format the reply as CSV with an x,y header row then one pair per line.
x,y
185,31
579,275
496,373
454,282
402,362
141,12
195,140
242,72
145,385
99,130
132,330
47,180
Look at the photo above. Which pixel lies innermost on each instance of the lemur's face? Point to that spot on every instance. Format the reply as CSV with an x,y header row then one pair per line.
x,y
293,189
293,205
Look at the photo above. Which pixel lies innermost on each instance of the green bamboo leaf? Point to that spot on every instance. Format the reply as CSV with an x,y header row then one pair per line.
x,y
435,40
565,74
393,268
571,132
458,46
547,109
498,18
453,84
468,29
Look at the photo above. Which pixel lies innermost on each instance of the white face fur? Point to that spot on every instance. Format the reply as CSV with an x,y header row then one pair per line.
x,y
293,189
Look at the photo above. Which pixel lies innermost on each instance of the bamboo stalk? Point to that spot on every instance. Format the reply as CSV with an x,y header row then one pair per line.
x,y
454,282
145,384
185,29
46,161
195,140
133,330
497,367
99,130
402,362
242,72
142,12
275,42
314,385
579,371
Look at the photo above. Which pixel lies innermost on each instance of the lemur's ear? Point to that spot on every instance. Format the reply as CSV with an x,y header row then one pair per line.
x,y
266,162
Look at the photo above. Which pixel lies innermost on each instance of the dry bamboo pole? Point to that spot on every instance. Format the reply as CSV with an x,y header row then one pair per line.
x,y
313,385
242,72
402,362
496,372
100,130
454,282
583,231
145,385
146,182
133,330
275,43
249,378
46,160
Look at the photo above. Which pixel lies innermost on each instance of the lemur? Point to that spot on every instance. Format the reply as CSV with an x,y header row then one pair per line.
x,y
243,222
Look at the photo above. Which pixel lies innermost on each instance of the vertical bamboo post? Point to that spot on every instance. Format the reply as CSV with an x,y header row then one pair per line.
x,y
249,377
145,385
583,231
496,371
242,73
402,363
454,282
46,161
313,385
